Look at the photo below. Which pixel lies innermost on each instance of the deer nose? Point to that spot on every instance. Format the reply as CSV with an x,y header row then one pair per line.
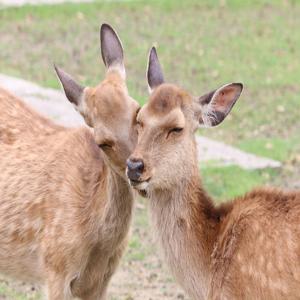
x,y
135,168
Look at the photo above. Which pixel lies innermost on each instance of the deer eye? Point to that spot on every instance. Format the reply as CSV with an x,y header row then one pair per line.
x,y
175,130
139,125
105,146
137,111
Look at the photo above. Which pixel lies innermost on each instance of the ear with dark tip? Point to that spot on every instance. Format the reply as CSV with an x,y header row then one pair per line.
x,y
154,73
216,105
73,90
111,49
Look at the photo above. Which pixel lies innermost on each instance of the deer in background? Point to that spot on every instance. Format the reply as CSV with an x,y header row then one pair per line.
x,y
66,204
245,249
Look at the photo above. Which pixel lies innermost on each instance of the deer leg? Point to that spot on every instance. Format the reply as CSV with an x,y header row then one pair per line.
x,y
99,291
89,285
97,294
56,288
112,265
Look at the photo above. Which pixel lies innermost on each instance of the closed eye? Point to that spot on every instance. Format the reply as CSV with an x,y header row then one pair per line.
x,y
135,115
175,130
137,111
139,124
104,146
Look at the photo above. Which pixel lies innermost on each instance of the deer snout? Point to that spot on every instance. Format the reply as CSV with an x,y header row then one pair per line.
x,y
135,168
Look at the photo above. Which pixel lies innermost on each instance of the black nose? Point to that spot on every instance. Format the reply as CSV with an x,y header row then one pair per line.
x,y
135,168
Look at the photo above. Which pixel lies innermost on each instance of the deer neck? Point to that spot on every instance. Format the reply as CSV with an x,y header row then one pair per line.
x,y
118,207
186,226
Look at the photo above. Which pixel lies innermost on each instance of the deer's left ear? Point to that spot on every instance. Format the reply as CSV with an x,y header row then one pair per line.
x,y
73,90
154,72
112,49
216,105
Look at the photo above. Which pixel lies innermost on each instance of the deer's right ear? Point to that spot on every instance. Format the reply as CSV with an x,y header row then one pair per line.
x,y
111,49
73,90
155,75
216,105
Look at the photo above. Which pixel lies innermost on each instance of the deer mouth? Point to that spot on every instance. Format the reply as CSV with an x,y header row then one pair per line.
x,y
140,184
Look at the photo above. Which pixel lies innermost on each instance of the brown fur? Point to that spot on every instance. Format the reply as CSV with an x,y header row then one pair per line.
x,y
66,206
245,249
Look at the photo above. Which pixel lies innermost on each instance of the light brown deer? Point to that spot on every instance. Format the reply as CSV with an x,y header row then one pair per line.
x,y
246,249
65,204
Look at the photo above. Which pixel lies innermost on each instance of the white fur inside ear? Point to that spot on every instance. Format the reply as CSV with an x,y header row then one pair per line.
x,y
150,90
120,68
207,116
81,107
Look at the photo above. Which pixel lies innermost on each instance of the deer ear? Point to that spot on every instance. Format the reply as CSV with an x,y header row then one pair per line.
x,y
73,90
216,105
111,49
154,72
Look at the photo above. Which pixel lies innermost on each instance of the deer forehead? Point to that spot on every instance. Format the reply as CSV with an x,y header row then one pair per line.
x,y
173,118
167,97
107,100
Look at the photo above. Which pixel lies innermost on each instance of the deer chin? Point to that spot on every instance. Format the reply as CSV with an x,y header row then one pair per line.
x,y
143,193
141,186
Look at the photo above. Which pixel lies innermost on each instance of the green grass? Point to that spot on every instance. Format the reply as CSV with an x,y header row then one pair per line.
x,y
135,251
225,183
10,293
201,45
279,149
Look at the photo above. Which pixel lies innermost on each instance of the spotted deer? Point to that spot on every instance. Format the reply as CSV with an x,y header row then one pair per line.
x,y
248,248
66,204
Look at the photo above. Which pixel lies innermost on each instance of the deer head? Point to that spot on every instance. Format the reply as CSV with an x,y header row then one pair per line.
x,y
107,108
166,151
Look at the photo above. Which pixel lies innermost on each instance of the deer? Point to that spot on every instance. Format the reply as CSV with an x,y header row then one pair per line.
x,y
248,248
66,204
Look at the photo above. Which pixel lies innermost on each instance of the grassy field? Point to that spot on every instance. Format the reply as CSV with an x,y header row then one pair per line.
x,y
201,45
